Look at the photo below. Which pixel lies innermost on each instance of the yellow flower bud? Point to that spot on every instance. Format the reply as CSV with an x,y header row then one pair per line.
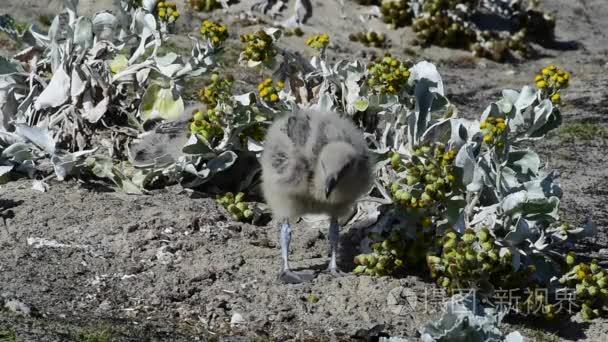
x,y
541,84
274,98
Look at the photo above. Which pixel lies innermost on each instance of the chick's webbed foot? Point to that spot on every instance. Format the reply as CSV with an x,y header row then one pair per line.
x,y
295,277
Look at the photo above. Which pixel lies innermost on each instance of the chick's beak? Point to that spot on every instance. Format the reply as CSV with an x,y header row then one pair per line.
x,y
330,184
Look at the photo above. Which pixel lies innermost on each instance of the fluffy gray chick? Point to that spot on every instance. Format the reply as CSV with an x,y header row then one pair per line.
x,y
313,163
163,145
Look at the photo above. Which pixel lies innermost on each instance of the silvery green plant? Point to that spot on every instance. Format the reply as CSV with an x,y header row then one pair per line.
x,y
501,186
465,319
89,74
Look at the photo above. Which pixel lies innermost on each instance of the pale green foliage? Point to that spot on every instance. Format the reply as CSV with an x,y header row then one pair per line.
x,y
464,319
92,80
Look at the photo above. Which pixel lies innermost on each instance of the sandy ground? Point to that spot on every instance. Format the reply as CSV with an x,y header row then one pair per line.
x,y
172,266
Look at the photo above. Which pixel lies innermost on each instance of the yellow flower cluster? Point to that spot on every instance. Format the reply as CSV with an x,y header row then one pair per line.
x,y
551,80
208,124
215,32
167,11
467,258
393,253
236,206
396,12
591,283
259,46
370,38
219,90
295,32
318,42
204,5
269,92
493,129
430,176
389,75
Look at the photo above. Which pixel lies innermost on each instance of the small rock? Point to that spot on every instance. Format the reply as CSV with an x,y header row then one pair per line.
x,y
234,228
236,320
105,305
18,307
163,257
150,235
131,228
168,230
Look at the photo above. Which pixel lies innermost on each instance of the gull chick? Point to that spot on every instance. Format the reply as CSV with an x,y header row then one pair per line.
x,y
313,163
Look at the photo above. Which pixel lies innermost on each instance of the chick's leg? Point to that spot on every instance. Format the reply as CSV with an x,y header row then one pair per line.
x,y
285,240
287,276
334,237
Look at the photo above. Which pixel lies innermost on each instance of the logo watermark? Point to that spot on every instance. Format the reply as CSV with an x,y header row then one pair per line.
x,y
405,300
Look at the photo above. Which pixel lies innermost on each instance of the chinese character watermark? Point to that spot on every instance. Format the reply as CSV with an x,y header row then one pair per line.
x,y
404,299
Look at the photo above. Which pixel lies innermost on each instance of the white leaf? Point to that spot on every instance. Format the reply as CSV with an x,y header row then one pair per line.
x,y
170,64
514,336
83,33
466,161
40,186
104,23
429,71
148,5
274,32
56,93
525,99
4,169
78,83
94,114
524,161
39,137
142,76
542,112
145,25
245,99
54,29
254,146
514,201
